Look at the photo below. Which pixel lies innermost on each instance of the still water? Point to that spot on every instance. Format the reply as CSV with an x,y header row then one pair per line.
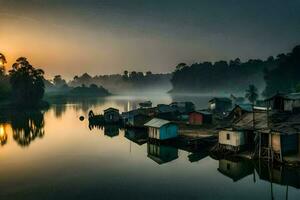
x,y
53,155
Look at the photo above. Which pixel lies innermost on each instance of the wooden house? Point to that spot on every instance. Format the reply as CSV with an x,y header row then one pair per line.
x,y
284,102
161,153
242,133
160,129
236,169
138,117
200,117
167,112
281,140
239,110
183,107
111,115
220,105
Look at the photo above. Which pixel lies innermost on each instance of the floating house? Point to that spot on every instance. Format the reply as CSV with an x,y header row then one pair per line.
x,y
161,153
281,140
183,107
160,129
200,117
242,133
138,117
167,112
239,110
284,102
111,115
220,105
236,169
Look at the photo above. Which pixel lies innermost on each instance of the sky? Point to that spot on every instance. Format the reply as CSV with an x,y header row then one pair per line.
x,y
70,37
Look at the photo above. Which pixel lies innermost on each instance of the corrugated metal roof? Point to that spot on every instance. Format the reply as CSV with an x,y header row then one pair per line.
x,y
246,122
290,96
157,123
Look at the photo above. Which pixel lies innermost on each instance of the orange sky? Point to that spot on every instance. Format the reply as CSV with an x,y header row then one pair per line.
x,y
103,37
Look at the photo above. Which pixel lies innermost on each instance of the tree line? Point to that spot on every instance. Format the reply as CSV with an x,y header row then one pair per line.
x,y
270,75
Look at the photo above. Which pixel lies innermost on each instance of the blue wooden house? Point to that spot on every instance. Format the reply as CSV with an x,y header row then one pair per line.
x,y
161,129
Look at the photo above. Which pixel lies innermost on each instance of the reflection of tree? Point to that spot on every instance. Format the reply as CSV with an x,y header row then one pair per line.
x,y
27,127
3,135
109,130
59,110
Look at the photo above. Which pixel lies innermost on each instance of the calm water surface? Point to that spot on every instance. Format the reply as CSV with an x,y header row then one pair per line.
x,y
53,155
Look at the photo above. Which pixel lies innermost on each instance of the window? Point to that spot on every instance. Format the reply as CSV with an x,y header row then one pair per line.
x,y
228,136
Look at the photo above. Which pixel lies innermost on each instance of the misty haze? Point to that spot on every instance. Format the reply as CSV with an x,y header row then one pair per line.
x,y
149,99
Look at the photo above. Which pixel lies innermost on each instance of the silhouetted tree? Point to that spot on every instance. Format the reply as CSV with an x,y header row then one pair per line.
x,y
58,81
2,64
285,76
27,83
252,94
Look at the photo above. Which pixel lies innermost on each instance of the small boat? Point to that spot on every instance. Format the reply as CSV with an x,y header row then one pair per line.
x,y
146,104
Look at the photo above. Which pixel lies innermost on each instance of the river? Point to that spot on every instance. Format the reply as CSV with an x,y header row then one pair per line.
x,y
54,155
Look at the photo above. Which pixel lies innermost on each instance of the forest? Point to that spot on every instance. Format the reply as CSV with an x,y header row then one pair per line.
x,y
279,74
117,83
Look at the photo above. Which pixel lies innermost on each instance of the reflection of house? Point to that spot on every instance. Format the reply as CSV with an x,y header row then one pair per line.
x,y
200,117
279,174
138,136
284,102
111,131
160,153
241,134
236,169
220,105
161,129
196,156
111,115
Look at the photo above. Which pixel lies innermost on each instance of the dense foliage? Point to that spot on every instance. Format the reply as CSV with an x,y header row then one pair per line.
x,y
126,82
284,78
27,84
92,90
220,76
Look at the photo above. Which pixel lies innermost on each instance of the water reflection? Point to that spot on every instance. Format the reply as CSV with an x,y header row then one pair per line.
x,y
97,165
161,153
235,169
138,136
3,135
27,126
281,174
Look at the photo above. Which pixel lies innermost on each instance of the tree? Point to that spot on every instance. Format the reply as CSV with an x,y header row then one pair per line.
x,y
252,93
58,81
27,83
2,64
